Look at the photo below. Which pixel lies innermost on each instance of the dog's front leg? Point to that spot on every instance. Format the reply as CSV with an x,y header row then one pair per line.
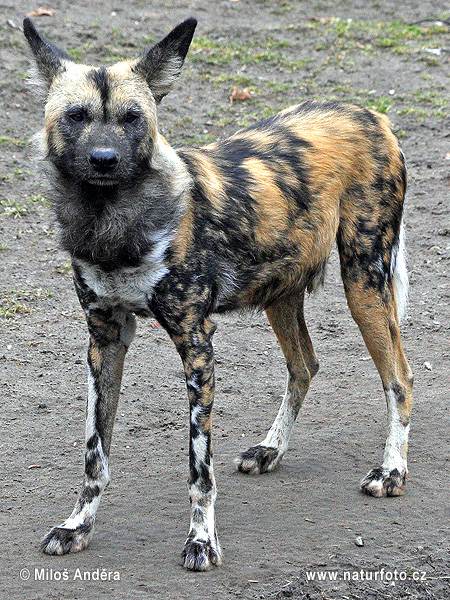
x,y
110,334
202,549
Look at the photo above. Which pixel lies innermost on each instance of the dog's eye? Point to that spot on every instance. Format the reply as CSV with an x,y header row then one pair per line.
x,y
131,116
77,116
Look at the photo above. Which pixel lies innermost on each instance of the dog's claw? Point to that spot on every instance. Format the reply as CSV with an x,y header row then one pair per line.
x,y
381,483
61,540
257,459
200,555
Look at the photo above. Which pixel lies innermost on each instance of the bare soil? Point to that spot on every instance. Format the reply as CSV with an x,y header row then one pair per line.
x,y
304,517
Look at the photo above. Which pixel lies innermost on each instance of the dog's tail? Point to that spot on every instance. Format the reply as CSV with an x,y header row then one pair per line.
x,y
399,274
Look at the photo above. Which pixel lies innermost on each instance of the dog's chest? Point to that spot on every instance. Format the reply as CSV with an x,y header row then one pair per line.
x,y
130,288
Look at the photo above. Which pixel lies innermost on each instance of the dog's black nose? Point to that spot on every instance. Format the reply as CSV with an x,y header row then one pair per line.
x,y
104,160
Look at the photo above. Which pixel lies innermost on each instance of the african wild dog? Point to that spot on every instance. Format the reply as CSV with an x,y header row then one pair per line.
x,y
246,222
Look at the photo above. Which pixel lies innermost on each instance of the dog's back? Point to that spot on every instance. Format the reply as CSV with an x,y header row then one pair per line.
x,y
280,191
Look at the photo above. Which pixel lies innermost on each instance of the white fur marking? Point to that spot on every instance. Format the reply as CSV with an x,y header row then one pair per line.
x,y
199,448
400,275
205,530
280,432
91,402
130,287
89,510
397,440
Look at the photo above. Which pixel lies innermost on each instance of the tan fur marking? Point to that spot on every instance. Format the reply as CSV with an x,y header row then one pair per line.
x,y
340,153
128,87
95,356
72,86
210,179
272,206
183,235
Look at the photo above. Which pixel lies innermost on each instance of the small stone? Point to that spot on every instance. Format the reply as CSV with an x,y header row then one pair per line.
x,y
428,366
359,541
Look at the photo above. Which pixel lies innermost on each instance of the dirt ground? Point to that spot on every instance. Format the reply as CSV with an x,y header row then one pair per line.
x,y
278,528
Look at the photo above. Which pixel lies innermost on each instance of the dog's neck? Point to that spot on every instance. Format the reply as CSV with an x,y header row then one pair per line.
x,y
115,226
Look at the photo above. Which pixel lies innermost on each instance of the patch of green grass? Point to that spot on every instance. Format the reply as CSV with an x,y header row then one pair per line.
x,y
271,57
282,7
273,43
248,119
393,45
184,121
418,113
76,53
381,104
113,57
39,199
13,209
202,140
225,120
277,87
395,36
234,80
17,173
342,27
432,61
64,269
10,309
9,38
14,302
9,141
211,52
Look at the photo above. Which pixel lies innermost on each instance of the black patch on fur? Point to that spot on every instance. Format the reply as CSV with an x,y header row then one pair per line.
x,y
92,442
88,494
92,465
399,392
101,80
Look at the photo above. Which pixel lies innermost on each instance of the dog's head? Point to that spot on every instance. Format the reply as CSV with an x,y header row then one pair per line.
x,y
100,123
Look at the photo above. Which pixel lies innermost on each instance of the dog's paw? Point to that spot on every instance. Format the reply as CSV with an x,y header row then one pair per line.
x,y
380,482
257,459
201,555
61,540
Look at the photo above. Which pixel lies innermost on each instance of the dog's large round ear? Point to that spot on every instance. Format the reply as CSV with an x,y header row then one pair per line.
x,y
49,59
162,64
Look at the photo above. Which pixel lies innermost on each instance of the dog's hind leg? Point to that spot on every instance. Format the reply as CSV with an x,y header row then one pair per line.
x,y
287,320
374,296
111,332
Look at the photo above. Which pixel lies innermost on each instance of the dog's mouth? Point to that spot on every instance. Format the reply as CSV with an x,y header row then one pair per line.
x,y
103,181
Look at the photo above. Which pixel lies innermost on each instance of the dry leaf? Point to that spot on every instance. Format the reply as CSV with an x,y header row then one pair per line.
x,y
42,12
240,95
